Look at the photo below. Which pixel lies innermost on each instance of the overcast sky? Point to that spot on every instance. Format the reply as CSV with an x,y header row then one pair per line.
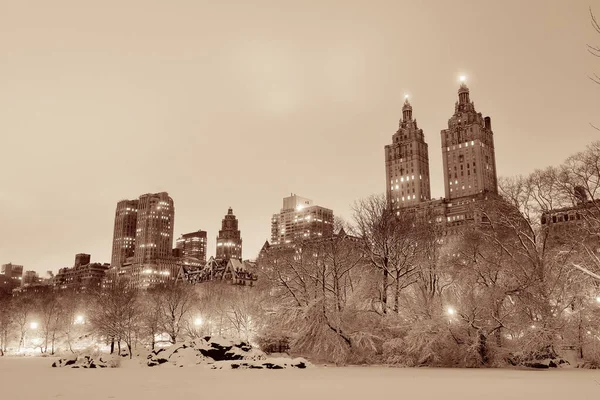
x,y
224,103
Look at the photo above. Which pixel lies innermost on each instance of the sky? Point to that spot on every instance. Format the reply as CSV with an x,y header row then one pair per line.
x,y
240,103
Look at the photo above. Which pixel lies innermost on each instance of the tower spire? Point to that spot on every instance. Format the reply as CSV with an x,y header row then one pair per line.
x,y
463,92
406,110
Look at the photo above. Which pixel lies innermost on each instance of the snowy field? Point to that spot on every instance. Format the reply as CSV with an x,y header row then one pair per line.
x,y
32,378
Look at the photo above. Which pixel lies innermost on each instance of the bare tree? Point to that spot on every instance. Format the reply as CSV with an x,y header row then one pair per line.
x,y
49,310
22,310
390,244
6,321
116,314
176,300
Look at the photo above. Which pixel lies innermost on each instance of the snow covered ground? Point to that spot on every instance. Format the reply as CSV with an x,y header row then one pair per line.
x,y
32,378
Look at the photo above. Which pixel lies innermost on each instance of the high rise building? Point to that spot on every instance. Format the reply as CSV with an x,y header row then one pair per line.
x,y
124,232
407,164
81,259
468,151
193,245
229,241
12,271
154,228
299,219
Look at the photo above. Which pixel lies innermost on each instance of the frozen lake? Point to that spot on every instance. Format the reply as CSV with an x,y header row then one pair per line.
x,y
33,378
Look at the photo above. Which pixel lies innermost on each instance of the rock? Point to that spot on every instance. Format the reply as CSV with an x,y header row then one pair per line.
x,y
80,362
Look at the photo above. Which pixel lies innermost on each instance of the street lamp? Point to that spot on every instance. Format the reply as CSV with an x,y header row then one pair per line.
x,y
451,311
198,321
79,320
33,325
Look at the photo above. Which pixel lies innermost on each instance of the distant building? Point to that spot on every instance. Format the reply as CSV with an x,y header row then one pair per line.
x,y
32,289
143,240
193,245
154,230
12,271
30,278
300,219
144,276
81,259
81,276
232,271
407,164
124,232
468,151
229,241
469,166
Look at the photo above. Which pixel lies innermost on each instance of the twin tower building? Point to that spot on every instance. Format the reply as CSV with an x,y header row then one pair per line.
x,y
469,163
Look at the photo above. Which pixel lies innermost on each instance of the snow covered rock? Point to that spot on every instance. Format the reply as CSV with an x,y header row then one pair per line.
x,y
82,362
543,359
269,363
205,350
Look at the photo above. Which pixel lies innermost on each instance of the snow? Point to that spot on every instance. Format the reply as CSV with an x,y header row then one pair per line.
x,y
33,378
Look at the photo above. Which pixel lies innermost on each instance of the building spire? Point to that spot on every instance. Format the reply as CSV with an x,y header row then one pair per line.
x,y
463,92
406,110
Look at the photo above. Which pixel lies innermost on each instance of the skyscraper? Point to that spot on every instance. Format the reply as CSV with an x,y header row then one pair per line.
x,y
193,245
154,228
407,164
229,241
300,219
468,151
124,232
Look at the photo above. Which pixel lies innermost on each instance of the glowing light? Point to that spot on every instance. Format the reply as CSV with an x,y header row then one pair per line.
x,y
79,320
451,311
463,78
33,325
405,97
598,299
198,321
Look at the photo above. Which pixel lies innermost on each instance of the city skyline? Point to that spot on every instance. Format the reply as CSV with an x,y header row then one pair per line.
x,y
63,123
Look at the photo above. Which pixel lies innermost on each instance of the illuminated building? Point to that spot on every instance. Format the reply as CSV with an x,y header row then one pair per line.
x,y
193,245
407,164
468,151
469,163
124,232
82,276
300,219
229,241
154,228
12,271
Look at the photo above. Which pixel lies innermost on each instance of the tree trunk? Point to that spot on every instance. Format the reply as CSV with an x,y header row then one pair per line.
x,y
397,294
384,297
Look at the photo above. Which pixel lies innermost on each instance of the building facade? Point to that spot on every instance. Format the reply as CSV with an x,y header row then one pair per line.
x,y
407,164
12,271
468,153
81,277
193,245
124,232
299,219
469,163
229,241
154,228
